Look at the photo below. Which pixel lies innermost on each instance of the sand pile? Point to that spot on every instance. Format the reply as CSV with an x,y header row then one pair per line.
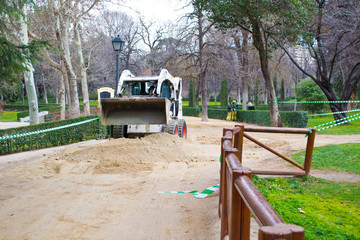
x,y
112,157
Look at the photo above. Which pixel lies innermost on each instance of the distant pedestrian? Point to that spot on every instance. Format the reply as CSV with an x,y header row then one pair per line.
x,y
229,109
234,111
250,106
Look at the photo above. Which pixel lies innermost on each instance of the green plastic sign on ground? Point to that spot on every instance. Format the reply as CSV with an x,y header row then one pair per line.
x,y
196,193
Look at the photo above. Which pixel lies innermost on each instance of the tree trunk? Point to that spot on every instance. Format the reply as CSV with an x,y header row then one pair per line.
x,y
84,84
265,97
60,41
63,79
245,94
264,62
29,74
67,85
204,101
202,74
238,93
62,97
352,106
45,94
197,94
295,105
242,52
74,99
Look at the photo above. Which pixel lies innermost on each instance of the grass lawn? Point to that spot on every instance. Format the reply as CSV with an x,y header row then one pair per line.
x,y
351,128
342,157
186,103
7,116
331,209
93,103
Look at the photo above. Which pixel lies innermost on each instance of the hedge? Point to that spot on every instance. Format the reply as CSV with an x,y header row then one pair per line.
x,y
297,119
19,107
290,107
49,108
85,131
191,111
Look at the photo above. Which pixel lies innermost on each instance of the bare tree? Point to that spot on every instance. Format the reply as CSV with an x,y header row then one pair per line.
x,y
151,35
29,74
60,16
336,30
109,24
242,52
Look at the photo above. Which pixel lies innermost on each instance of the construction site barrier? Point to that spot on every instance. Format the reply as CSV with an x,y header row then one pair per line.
x,y
239,196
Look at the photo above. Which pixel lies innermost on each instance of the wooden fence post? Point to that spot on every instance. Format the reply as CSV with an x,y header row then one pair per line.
x,y
309,152
239,214
222,211
281,231
239,140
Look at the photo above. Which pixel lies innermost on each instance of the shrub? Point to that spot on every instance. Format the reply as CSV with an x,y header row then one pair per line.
x,y
16,107
217,113
191,111
71,134
309,91
46,107
289,119
256,117
295,119
93,96
224,92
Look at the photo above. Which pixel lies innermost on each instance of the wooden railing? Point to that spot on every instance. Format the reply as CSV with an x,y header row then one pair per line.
x,y
239,196
304,169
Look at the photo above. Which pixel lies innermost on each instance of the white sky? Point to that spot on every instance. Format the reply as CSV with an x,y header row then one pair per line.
x,y
161,10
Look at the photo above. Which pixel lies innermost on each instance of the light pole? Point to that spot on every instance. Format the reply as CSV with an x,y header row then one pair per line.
x,y
22,91
118,45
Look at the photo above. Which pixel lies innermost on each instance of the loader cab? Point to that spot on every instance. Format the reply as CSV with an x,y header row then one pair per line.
x,y
166,89
132,88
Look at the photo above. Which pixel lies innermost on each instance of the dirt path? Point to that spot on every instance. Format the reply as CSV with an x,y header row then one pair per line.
x,y
108,189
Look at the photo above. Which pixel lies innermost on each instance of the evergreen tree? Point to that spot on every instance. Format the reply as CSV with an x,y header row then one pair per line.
x,y
192,93
14,54
282,90
309,91
224,92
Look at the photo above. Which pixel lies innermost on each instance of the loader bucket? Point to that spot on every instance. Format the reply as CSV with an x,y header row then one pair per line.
x,y
131,111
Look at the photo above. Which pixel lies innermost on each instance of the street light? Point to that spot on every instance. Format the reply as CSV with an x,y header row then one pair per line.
x,y
22,91
118,45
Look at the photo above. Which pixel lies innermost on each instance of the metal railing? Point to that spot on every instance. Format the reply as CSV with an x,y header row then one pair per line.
x,y
239,196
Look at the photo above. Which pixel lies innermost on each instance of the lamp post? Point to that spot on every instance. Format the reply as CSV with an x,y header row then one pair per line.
x,y
118,45
22,91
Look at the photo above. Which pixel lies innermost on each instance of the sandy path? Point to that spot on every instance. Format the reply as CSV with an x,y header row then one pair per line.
x,y
4,125
108,189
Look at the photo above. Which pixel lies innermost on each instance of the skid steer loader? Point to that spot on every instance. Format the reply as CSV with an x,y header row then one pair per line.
x,y
144,105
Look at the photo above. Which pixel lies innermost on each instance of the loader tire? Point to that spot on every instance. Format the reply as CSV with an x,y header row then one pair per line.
x,y
172,128
119,131
182,129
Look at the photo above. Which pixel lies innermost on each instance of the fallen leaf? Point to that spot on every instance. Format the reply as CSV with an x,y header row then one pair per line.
x,y
301,211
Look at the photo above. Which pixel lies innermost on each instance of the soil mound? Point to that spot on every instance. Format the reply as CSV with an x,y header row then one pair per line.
x,y
112,157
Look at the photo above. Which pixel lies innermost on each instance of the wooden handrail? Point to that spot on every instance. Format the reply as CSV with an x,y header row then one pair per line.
x,y
239,196
263,212
308,154
278,130
273,151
